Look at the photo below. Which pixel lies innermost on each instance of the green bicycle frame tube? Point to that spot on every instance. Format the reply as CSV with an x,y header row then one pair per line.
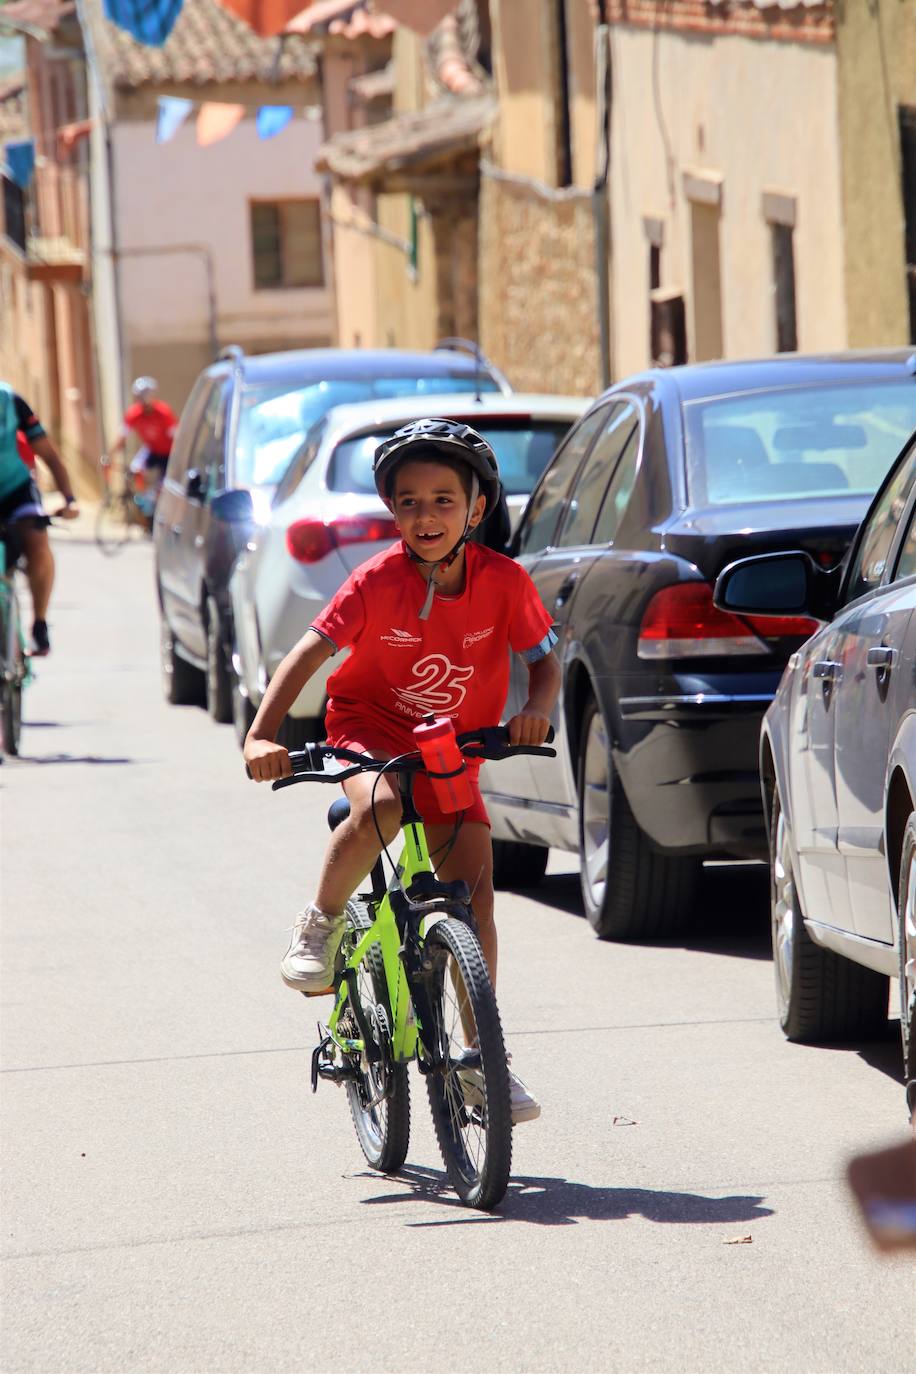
x,y
384,932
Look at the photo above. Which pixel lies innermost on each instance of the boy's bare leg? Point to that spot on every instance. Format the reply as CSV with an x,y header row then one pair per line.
x,y
470,858
355,845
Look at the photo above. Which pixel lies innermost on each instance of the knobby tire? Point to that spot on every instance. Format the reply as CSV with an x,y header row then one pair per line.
x,y
475,1140
383,1131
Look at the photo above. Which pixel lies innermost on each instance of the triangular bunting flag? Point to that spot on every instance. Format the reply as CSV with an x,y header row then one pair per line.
x,y
216,120
273,119
173,111
149,21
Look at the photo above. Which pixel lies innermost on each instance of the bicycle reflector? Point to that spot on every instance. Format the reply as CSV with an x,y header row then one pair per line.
x,y
681,621
311,540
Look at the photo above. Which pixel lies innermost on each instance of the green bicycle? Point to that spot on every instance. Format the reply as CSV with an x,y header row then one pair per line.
x,y
411,983
15,663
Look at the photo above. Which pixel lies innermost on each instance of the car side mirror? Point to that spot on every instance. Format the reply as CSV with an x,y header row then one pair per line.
x,y
235,507
194,484
777,584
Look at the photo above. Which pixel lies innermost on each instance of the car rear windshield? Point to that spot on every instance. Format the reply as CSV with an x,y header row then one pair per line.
x,y
273,420
800,442
523,448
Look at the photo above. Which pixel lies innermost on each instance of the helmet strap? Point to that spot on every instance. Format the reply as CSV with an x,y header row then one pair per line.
x,y
443,565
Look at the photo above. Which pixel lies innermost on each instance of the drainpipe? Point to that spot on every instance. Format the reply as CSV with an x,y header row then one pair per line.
x,y
600,205
196,249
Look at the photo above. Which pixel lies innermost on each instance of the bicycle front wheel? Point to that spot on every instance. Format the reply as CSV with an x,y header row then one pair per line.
x,y
469,1094
379,1096
113,522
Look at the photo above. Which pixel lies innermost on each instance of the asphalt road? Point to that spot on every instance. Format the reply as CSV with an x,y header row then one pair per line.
x,y
174,1199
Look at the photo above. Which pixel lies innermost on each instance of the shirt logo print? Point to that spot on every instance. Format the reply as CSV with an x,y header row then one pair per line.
x,y
475,636
437,686
404,639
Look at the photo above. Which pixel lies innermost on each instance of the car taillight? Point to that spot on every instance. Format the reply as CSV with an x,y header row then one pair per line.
x,y
682,622
311,540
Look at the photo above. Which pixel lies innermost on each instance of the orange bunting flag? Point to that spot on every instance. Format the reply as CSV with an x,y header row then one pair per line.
x,y
216,120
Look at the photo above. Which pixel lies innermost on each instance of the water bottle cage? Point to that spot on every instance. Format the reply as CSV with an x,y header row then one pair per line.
x,y
455,773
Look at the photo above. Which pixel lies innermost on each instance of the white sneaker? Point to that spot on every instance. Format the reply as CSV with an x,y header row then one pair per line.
x,y
525,1107
308,965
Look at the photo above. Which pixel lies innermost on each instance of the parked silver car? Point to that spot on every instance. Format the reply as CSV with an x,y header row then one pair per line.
x,y
838,765
327,518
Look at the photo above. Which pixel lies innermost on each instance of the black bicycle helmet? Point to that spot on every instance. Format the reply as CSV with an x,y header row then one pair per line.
x,y
450,438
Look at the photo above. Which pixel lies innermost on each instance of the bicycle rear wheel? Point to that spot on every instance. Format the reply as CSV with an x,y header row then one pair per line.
x,y
379,1097
12,671
113,522
11,715
469,1095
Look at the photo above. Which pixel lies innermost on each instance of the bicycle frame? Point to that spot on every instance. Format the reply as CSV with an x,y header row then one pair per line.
x,y
398,928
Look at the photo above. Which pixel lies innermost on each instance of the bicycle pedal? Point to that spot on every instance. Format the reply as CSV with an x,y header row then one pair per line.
x,y
325,992
317,1052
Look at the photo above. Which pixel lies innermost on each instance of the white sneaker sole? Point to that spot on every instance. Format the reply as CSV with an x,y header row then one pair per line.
x,y
522,1114
311,987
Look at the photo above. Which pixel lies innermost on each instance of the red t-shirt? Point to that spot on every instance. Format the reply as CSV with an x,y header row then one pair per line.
x,y
155,428
456,663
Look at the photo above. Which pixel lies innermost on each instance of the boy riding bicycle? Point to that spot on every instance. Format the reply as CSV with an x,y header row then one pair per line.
x,y
428,623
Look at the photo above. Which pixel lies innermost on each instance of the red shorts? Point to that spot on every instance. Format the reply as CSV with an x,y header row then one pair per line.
x,y
423,793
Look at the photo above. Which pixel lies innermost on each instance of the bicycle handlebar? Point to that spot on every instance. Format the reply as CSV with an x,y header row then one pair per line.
x,y
490,742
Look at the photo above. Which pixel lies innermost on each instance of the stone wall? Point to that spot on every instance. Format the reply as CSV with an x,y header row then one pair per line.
x,y
538,296
876,50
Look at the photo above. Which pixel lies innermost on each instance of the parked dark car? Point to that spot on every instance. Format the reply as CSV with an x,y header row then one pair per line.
x,y
244,421
670,476
838,767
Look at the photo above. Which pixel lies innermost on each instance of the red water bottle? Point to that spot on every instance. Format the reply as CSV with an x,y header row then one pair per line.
x,y
444,763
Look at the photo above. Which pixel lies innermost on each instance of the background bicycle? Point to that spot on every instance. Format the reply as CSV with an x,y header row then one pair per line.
x,y
128,501
15,670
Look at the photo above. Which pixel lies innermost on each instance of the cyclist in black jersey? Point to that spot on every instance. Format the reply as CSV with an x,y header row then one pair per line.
x,y
20,500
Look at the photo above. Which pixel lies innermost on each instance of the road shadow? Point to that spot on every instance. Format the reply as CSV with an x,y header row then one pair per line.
x,y
64,758
547,1201
883,1053
731,914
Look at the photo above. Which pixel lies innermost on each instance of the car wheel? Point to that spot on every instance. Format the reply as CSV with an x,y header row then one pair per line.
x,y
297,731
821,996
182,683
906,906
518,865
630,890
219,685
243,712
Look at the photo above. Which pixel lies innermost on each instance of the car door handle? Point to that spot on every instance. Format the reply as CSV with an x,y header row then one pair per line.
x,y
881,657
827,670
565,590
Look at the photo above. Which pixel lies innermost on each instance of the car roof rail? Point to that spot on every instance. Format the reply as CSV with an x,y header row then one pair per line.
x,y
456,345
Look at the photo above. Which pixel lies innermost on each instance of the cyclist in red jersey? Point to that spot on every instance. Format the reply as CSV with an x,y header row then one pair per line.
x,y
154,424
428,624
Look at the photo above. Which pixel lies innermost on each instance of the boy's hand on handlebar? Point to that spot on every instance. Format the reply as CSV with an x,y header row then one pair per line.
x,y
267,761
528,727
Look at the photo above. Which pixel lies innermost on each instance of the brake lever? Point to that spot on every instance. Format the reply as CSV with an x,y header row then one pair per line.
x,y
316,777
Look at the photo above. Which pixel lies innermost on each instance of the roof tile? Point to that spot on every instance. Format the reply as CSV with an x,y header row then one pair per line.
x,y
207,46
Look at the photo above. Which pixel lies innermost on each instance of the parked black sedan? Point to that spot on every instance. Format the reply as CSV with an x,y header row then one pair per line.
x,y
244,421
838,766
670,476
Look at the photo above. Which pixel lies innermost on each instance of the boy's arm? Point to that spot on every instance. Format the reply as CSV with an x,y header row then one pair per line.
x,y
265,759
531,724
